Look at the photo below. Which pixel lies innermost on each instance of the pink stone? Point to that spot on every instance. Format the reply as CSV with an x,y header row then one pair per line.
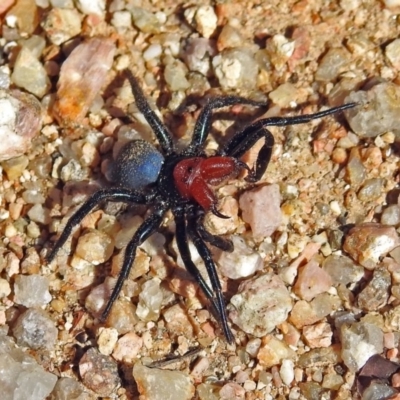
x,y
261,209
82,76
366,243
312,280
128,347
318,335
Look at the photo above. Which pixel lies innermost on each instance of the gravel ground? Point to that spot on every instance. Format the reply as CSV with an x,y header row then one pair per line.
x,y
312,287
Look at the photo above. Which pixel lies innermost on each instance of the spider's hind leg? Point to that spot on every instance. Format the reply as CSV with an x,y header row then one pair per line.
x,y
114,194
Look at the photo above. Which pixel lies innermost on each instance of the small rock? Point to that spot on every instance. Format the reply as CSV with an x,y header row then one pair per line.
x,y
392,53
318,335
175,76
150,299
332,64
177,321
376,294
371,189
287,372
82,76
273,351
88,7
68,389
366,243
20,122
360,341
261,209
391,215
27,14
26,285
342,270
99,373
196,54
279,49
232,391
144,20
128,347
229,37
95,247
261,304
308,313
312,280
35,329
203,18
241,263
378,113
62,24
157,384
106,340
20,375
236,68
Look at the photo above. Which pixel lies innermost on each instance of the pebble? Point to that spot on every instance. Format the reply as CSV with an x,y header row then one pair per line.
x,y
68,389
261,210
30,74
25,285
355,170
371,189
273,351
27,15
177,321
391,215
392,53
229,37
241,263
333,63
236,68
20,375
359,342
128,347
204,18
232,391
99,373
150,299
158,384
260,305
312,280
308,313
318,335
5,288
279,49
15,167
378,113
320,357
95,247
286,372
196,55
375,294
106,340
92,7
35,329
82,75
342,270
62,24
144,20
367,242
20,123
284,95
175,76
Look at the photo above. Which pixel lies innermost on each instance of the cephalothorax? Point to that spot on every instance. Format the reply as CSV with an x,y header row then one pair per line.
x,y
180,181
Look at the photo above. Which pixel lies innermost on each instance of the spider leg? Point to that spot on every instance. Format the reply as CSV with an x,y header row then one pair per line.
x,y
203,123
212,273
159,129
217,241
113,194
182,242
148,227
245,139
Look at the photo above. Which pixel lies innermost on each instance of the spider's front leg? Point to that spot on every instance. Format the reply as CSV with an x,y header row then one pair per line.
x,y
148,227
114,194
203,123
245,139
159,129
218,307
193,232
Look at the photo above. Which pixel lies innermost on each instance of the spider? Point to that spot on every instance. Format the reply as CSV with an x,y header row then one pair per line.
x,y
182,181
